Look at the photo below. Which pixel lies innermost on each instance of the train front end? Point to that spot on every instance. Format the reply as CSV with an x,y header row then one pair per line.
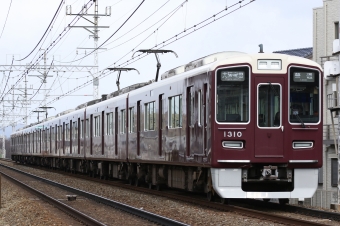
x,y
266,127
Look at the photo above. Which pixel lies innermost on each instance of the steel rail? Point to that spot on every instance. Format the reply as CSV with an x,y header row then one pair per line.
x,y
121,206
87,220
293,209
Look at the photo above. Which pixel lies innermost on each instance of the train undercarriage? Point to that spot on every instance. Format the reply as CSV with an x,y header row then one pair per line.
x,y
196,179
260,181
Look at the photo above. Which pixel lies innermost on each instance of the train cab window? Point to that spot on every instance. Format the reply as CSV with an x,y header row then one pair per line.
x,y
97,126
122,121
304,95
109,123
131,120
149,121
269,105
175,111
232,95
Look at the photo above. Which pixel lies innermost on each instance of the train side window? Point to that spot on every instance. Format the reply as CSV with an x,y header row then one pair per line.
x,y
131,120
81,129
87,128
122,121
109,123
97,126
199,107
175,111
74,131
67,132
149,116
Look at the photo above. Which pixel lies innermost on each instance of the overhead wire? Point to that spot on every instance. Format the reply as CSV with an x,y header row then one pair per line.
x,y
3,92
162,44
175,37
60,37
170,15
9,9
52,45
110,36
55,14
42,81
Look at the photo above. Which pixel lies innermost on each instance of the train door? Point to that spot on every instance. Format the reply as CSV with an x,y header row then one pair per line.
x,y
102,133
269,121
160,124
190,113
205,133
138,127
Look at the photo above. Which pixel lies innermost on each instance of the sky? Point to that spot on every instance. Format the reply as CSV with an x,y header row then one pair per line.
x,y
277,24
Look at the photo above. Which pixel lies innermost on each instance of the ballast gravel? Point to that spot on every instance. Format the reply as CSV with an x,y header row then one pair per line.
x,y
177,210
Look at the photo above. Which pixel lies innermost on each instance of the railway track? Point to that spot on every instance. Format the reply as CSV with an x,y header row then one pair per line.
x,y
84,218
217,206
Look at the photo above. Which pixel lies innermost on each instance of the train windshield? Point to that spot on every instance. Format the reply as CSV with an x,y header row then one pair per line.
x,y
304,96
232,95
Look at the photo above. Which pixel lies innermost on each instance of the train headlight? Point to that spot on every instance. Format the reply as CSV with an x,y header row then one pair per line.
x,y
269,65
232,144
302,144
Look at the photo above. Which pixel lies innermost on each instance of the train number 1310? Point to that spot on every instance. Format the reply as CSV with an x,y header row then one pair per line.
x,y
234,134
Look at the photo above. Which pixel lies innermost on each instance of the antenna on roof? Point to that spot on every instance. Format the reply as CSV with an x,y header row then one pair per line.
x,y
261,48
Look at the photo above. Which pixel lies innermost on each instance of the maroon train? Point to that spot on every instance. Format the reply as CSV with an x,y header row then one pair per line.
x,y
236,124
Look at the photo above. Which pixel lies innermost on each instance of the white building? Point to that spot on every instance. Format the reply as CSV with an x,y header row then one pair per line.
x,y
325,30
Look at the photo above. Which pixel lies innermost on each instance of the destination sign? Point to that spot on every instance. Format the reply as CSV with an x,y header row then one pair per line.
x,y
232,76
303,77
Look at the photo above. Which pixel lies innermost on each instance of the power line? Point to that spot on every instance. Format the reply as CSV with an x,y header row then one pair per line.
x,y
110,36
175,38
55,14
48,49
185,32
169,41
6,19
3,92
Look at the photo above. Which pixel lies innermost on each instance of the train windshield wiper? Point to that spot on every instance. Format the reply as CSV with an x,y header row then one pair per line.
x,y
298,117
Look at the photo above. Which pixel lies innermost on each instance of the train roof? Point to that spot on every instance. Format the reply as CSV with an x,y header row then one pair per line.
x,y
198,66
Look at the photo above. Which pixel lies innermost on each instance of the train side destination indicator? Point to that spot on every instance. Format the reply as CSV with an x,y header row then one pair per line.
x,y
303,77
232,76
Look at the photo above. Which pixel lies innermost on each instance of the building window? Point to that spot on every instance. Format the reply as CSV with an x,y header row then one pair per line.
x,y
149,116
109,123
97,126
336,29
334,172
175,111
131,120
122,121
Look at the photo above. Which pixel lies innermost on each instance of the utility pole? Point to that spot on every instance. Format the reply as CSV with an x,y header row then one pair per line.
x,y
95,36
